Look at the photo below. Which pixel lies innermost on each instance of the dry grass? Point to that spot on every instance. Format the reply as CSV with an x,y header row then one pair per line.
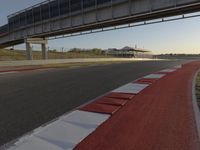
x,y
21,55
198,89
12,55
82,64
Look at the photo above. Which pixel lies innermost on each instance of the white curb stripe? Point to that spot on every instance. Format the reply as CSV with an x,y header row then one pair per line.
x,y
154,76
63,134
133,88
85,118
178,66
34,143
168,70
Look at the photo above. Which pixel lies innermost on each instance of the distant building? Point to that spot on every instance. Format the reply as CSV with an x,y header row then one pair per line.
x,y
130,52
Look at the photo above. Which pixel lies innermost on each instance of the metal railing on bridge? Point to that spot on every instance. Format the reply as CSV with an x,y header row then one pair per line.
x,y
52,9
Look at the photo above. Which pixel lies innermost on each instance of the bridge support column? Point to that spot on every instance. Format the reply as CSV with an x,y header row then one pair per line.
x,y
42,41
29,51
44,51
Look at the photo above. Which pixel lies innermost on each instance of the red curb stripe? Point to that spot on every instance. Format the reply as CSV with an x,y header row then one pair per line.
x,y
100,108
112,101
146,81
165,72
125,96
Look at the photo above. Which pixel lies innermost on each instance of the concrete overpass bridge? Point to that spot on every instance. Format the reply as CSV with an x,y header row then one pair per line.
x,y
37,23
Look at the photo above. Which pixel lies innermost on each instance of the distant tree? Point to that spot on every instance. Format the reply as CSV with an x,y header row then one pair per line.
x,y
75,50
97,51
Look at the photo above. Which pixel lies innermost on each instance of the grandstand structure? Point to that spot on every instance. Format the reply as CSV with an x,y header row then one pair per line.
x,y
130,52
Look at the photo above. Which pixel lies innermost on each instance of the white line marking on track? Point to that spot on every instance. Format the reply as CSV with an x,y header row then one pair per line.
x,y
10,72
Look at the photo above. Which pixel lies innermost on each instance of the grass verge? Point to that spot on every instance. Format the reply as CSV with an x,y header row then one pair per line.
x,y
198,89
85,64
37,55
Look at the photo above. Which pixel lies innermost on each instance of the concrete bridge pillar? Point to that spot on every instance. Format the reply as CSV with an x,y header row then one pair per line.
x,y
29,53
42,41
44,51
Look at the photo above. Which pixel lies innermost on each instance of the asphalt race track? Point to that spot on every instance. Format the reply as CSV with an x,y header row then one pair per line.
x,y
30,99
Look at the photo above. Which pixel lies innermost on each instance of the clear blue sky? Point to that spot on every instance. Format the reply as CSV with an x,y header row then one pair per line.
x,y
181,36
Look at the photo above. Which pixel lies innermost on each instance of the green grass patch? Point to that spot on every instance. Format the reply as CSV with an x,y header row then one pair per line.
x,y
198,89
